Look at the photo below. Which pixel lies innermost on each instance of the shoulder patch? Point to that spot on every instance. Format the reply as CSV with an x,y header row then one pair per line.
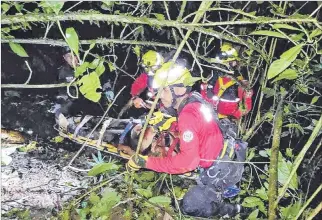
x,y
187,136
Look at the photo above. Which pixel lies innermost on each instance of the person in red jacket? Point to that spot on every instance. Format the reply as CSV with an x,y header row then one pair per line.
x,y
151,61
201,143
226,93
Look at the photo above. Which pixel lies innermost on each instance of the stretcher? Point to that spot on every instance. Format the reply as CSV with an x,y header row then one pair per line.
x,y
108,136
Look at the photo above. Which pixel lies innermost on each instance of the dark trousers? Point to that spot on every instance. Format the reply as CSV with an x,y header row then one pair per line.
x,y
205,199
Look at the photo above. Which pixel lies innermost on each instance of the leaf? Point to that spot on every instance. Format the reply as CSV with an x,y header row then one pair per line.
x,y
251,202
261,193
297,37
253,215
57,139
297,126
102,167
302,88
284,170
52,6
286,59
250,154
56,6
163,201
315,33
286,74
314,99
263,153
285,26
291,54
111,66
289,152
94,198
18,49
100,69
89,85
268,33
290,211
137,51
147,193
5,7
94,63
103,208
81,69
269,92
72,40
159,17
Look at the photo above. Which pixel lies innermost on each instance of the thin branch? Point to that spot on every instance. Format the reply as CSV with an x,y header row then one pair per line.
x,y
300,157
30,73
23,86
100,121
10,19
315,212
316,10
308,202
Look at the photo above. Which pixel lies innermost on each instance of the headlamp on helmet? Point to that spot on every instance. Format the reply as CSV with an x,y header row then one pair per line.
x,y
151,61
227,53
171,74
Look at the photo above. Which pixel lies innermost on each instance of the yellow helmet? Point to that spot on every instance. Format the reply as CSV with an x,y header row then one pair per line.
x,y
172,74
152,61
227,53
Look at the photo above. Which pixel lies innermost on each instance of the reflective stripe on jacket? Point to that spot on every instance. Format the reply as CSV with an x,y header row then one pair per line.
x,y
200,137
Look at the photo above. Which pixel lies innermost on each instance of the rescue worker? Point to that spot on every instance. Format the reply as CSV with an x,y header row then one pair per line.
x,y
201,143
151,61
226,94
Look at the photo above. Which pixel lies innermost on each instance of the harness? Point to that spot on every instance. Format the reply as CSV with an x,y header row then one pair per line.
x,y
208,91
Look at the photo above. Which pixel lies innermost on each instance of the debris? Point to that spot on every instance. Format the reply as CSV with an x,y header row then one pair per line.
x,y
5,152
29,147
12,137
57,139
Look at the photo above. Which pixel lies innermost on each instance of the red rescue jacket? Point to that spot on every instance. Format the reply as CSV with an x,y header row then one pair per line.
x,y
141,83
200,138
225,107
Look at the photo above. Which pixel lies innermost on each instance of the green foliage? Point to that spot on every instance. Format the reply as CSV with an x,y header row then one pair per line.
x,y
285,26
101,168
290,212
18,49
285,61
253,215
88,86
284,169
163,201
137,51
52,6
101,208
72,40
286,74
314,99
5,7
268,33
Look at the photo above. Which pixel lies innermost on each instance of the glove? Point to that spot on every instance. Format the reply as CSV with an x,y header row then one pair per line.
x,y
161,121
135,165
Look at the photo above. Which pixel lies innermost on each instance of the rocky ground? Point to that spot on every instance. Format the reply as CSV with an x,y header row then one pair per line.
x,y
38,179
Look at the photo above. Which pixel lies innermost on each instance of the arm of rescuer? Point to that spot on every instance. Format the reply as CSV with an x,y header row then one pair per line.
x,y
245,104
139,85
188,158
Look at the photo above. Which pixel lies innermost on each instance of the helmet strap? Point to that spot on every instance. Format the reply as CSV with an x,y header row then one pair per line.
x,y
175,96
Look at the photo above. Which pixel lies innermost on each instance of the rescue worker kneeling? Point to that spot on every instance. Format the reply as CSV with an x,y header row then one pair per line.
x,y
201,143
